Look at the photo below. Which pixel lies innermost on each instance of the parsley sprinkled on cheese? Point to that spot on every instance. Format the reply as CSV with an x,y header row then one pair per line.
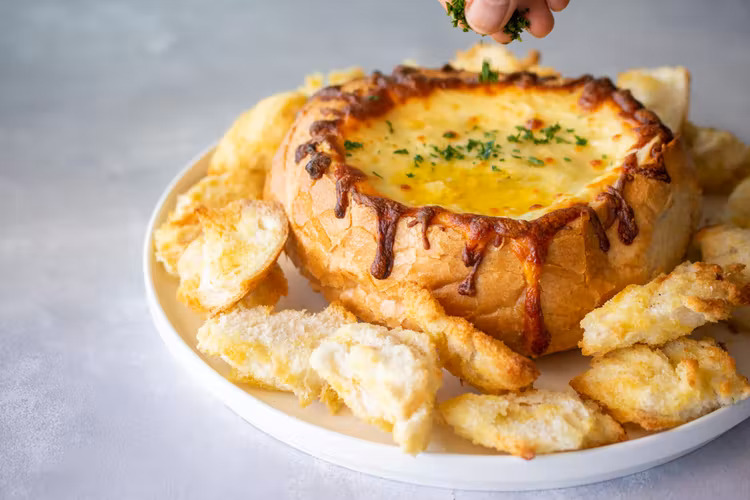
x,y
401,152
390,126
580,141
349,145
535,161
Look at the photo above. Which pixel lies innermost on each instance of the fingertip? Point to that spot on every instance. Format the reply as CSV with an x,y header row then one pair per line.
x,y
541,20
557,5
502,37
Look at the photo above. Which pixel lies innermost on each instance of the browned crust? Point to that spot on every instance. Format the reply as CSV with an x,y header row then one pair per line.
x,y
530,240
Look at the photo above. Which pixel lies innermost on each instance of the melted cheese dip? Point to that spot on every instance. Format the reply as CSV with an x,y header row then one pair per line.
x,y
490,151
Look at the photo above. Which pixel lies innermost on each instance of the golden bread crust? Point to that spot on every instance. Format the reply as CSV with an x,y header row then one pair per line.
x,y
529,423
337,230
666,308
659,388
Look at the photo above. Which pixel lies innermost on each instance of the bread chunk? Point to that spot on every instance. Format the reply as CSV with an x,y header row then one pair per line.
x,y
738,204
387,377
659,388
254,137
239,245
212,192
728,246
664,90
468,353
530,423
272,351
664,309
721,158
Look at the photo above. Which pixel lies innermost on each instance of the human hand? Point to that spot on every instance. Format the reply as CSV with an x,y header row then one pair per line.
x,y
489,17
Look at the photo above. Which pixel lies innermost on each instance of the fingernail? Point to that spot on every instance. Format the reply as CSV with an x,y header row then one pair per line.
x,y
486,16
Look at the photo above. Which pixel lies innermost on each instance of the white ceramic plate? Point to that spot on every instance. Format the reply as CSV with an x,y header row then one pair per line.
x,y
450,461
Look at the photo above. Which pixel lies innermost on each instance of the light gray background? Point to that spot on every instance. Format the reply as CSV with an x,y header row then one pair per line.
x,y
101,102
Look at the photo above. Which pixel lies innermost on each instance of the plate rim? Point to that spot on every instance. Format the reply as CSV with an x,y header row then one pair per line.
x,y
266,418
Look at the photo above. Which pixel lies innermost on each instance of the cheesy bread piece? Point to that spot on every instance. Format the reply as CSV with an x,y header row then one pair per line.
x,y
272,351
728,246
498,57
239,245
659,388
468,353
721,158
738,205
664,90
664,309
530,423
388,378
212,192
267,292
255,136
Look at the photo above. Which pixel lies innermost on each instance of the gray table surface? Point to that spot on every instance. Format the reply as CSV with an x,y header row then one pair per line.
x,y
101,102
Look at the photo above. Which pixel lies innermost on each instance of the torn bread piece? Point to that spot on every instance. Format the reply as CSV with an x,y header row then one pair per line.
x,y
316,81
254,137
183,225
659,388
239,245
738,205
721,158
272,351
499,58
664,90
388,378
530,423
664,309
267,292
478,359
728,246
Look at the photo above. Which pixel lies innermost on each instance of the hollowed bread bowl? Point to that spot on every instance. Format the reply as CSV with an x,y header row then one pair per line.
x,y
522,202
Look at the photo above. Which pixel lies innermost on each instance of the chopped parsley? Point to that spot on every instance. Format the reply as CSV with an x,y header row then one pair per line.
x,y
487,75
401,152
377,174
457,10
390,126
417,160
449,153
535,161
566,158
450,135
580,141
517,23
409,175
349,145
373,97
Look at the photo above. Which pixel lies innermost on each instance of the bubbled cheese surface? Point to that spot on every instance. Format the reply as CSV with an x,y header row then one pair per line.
x,y
500,151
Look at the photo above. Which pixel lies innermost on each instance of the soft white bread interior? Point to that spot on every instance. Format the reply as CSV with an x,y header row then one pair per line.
x,y
273,351
388,378
238,246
